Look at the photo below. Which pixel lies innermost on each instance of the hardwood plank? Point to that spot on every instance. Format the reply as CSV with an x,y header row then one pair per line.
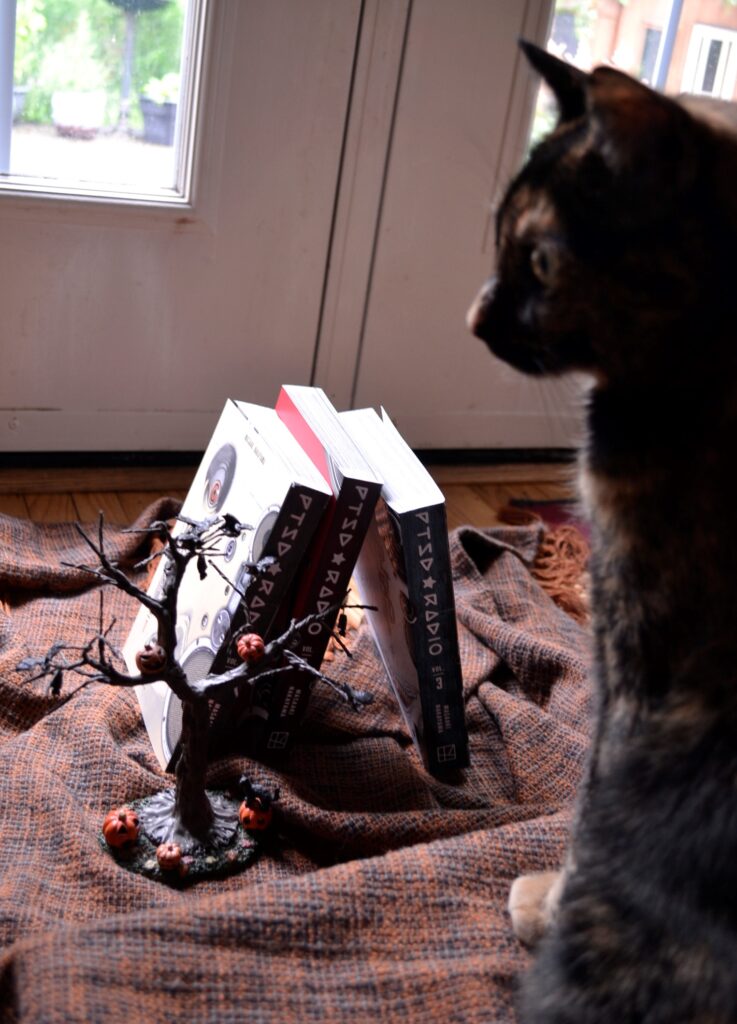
x,y
134,502
499,495
14,505
474,493
466,507
558,492
89,505
533,472
164,479
51,508
496,496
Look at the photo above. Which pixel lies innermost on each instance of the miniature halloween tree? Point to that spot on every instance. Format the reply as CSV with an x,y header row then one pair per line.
x,y
189,817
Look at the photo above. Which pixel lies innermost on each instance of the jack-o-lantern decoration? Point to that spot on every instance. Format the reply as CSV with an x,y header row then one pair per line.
x,y
151,659
250,647
169,856
121,827
256,811
254,817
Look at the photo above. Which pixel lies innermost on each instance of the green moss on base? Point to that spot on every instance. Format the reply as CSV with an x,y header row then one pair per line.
x,y
200,863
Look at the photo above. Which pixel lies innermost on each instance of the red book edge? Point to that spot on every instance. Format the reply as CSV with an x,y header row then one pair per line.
x,y
300,429
298,426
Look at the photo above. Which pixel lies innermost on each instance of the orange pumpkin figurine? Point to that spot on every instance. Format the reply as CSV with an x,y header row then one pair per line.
x,y
250,647
151,659
255,818
121,827
169,856
256,811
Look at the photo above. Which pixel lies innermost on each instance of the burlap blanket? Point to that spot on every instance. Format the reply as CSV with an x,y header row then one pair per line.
x,y
384,899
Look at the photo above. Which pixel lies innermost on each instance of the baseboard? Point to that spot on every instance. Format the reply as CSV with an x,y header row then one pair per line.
x,y
92,460
494,456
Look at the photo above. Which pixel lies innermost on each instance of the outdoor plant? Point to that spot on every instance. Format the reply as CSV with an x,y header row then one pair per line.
x,y
163,90
71,64
124,43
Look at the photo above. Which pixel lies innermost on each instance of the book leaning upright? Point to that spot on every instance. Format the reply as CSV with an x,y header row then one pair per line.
x,y
253,470
404,571
325,575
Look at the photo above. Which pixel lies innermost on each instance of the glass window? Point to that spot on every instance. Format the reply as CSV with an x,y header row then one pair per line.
x,y
711,61
661,42
99,103
650,54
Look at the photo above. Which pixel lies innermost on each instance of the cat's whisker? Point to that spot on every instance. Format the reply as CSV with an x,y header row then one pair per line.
x,y
555,407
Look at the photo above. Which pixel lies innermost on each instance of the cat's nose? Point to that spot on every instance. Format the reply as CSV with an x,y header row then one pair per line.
x,y
476,315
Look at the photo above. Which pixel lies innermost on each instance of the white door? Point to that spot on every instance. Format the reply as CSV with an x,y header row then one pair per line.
x,y
456,131
126,327
348,155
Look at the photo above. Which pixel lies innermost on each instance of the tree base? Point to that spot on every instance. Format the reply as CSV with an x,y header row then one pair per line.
x,y
213,859
161,823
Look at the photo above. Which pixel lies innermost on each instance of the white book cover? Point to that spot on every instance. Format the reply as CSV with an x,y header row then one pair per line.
x,y
247,470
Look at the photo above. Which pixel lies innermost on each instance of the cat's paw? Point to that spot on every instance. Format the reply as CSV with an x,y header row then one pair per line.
x,y
533,900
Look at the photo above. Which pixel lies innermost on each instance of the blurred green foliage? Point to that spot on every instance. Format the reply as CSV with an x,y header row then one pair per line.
x,y
79,44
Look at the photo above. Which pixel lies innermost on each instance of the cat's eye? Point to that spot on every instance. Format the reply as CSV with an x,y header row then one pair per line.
x,y
542,262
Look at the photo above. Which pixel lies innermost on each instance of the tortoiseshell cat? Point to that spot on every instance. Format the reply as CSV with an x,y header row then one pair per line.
x,y
616,255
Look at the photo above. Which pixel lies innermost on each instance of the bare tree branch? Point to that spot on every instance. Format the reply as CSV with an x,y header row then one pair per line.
x,y
94,661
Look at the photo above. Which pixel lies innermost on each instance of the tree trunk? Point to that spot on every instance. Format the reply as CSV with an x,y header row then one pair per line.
x,y
127,78
192,806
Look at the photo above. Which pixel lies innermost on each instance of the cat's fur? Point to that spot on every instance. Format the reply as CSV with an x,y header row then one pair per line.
x,y
616,255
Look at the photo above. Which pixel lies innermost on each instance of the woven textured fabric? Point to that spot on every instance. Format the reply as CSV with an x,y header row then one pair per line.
x,y
384,898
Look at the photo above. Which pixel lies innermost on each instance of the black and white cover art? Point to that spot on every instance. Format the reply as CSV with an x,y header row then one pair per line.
x,y
241,475
382,583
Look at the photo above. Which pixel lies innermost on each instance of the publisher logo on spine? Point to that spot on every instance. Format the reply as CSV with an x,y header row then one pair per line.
x,y
446,753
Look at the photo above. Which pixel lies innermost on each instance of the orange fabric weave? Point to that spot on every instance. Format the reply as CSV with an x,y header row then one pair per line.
x,y
386,901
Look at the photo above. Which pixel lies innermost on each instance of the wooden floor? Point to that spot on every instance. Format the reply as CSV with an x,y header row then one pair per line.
x,y
473,494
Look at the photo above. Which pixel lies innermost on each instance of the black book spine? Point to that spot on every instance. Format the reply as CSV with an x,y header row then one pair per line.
x,y
289,540
424,535
326,590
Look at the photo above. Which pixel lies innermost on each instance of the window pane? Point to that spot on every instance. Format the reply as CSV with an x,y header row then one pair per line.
x,y
650,54
712,63
96,92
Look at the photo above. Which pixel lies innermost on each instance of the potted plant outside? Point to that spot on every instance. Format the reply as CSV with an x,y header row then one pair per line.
x,y
159,109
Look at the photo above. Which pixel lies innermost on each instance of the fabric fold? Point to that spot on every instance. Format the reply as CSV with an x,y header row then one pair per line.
x,y
384,895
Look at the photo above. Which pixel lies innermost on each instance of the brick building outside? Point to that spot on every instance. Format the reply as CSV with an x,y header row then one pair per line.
x,y
629,36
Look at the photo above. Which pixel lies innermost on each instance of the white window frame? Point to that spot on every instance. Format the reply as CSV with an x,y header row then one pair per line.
x,y
181,195
698,51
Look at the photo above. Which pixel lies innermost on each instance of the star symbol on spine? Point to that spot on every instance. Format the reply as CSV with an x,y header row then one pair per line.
x,y
428,583
338,559
274,569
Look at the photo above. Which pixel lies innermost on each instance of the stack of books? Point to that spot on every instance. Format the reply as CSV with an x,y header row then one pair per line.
x,y
331,497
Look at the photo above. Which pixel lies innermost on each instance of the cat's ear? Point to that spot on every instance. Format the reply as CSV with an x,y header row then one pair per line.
x,y
567,82
639,130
